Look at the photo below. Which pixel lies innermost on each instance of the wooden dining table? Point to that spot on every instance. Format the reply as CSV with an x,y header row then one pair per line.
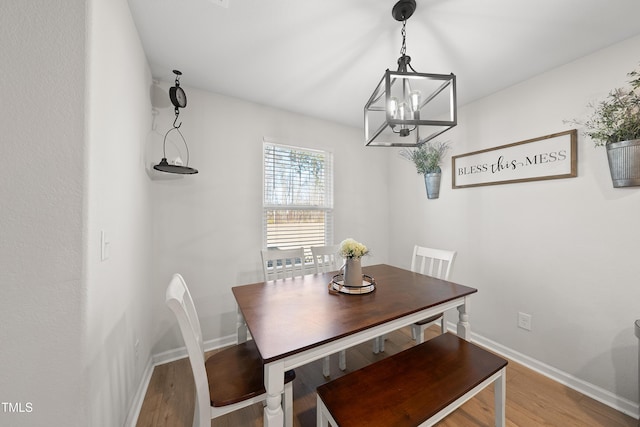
x,y
296,321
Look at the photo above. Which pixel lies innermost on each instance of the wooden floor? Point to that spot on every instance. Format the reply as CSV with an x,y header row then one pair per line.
x,y
532,399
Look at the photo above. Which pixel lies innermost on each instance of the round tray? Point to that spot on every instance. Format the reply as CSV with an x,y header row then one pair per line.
x,y
337,285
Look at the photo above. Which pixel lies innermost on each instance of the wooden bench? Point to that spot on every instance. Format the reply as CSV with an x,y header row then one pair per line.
x,y
417,387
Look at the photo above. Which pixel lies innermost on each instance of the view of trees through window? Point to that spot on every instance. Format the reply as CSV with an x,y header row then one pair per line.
x,y
298,197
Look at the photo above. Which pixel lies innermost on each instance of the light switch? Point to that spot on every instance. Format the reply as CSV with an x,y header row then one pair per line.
x,y
104,246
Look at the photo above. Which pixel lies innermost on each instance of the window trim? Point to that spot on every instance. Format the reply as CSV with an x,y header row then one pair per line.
x,y
326,208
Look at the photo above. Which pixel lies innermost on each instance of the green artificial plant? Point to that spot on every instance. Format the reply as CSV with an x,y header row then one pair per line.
x,y
427,157
617,117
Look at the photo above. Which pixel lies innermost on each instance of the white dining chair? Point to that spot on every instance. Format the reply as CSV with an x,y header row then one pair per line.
x,y
326,260
435,263
282,263
230,379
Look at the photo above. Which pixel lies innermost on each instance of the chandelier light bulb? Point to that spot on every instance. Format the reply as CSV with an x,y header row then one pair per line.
x,y
415,98
393,107
403,111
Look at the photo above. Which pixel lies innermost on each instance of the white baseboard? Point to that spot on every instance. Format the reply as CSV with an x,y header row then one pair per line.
x,y
610,399
181,353
161,359
618,403
138,398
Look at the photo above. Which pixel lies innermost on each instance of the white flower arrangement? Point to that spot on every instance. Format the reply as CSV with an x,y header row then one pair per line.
x,y
349,248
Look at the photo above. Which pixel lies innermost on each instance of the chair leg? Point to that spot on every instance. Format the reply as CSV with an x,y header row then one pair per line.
x,y
288,404
378,344
418,332
326,370
442,330
342,364
326,363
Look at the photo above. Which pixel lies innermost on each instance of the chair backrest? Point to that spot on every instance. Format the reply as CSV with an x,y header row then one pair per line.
x,y
432,262
282,263
180,302
326,258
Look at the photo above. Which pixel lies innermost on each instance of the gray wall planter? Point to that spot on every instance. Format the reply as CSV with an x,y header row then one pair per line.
x,y
432,182
624,163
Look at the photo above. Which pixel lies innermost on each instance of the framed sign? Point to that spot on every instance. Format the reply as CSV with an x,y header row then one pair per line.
x,y
548,157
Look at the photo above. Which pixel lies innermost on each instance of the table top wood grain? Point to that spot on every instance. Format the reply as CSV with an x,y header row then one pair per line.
x,y
288,316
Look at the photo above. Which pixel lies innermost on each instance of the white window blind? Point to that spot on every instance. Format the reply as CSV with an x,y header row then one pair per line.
x,y
298,197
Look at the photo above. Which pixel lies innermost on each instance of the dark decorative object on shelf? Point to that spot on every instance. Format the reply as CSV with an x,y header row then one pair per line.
x,y
179,100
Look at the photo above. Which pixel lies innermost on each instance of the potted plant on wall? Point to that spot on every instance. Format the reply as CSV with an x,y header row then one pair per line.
x,y
427,158
615,124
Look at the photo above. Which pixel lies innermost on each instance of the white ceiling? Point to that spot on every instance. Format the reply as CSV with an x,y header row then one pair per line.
x,y
323,58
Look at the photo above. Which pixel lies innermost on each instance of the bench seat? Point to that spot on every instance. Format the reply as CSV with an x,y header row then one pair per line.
x,y
416,387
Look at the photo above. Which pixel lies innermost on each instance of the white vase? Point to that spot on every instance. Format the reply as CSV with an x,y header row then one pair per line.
x,y
353,272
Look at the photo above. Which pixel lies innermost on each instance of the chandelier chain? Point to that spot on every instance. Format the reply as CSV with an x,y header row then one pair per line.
x,y
403,49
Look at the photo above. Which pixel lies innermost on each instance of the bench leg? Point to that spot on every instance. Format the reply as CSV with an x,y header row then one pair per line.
x,y
500,400
500,396
323,417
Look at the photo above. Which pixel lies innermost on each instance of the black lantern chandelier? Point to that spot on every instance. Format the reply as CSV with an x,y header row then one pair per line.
x,y
408,108
179,100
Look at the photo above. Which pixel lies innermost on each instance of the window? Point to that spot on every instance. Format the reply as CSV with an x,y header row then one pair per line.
x,y
298,197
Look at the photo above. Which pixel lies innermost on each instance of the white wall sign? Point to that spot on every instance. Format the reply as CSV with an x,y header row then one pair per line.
x,y
548,157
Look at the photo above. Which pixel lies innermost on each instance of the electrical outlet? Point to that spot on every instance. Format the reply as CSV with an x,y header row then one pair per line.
x,y
524,321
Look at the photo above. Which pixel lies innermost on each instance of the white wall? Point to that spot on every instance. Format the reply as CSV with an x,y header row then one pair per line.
x,y
119,289
564,251
41,215
209,226
561,250
75,114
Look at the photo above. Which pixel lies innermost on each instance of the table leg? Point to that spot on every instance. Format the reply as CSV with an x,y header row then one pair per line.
x,y
241,327
464,327
274,383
